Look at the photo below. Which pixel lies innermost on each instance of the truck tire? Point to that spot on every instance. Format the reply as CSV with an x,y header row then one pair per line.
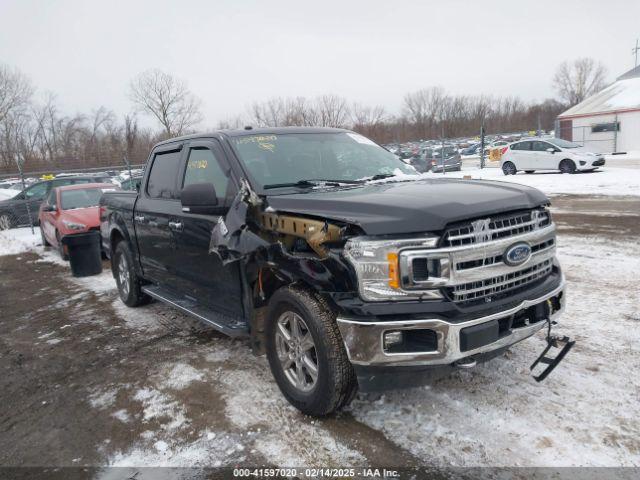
x,y
127,279
306,354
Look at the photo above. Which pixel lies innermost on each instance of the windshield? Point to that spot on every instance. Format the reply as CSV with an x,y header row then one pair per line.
x,y
83,198
558,142
290,158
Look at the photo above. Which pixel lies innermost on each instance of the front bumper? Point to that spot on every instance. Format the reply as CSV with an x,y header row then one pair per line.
x,y
364,339
590,163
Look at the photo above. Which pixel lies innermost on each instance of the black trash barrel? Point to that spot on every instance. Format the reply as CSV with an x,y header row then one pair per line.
x,y
84,253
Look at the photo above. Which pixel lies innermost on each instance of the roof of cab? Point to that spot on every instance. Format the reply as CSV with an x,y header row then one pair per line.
x,y
252,131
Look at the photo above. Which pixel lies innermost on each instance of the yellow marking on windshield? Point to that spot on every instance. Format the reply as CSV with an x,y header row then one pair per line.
x,y
256,139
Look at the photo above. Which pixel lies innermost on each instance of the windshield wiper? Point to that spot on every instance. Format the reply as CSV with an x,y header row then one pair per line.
x,y
379,176
300,183
316,182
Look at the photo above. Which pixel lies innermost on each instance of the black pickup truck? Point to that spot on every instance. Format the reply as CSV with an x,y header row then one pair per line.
x,y
336,259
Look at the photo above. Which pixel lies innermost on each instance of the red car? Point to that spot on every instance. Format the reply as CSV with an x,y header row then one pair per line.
x,y
70,210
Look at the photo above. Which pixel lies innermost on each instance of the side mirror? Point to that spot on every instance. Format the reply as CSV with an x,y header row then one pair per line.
x,y
551,150
200,198
50,208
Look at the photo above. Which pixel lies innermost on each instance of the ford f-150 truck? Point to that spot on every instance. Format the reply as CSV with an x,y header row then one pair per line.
x,y
336,259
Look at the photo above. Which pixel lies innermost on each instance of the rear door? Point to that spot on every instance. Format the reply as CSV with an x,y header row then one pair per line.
x,y
522,155
157,205
202,274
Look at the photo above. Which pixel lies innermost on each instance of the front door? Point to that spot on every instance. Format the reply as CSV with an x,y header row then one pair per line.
x,y
202,274
158,205
544,160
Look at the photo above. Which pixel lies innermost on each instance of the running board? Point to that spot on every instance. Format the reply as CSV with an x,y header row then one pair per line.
x,y
233,327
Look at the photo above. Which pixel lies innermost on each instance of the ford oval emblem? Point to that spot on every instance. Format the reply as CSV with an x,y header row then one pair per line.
x,y
517,254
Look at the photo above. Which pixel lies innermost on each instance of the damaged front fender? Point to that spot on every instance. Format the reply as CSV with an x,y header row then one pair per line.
x,y
265,240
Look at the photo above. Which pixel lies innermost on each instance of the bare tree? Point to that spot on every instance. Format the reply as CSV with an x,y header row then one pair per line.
x,y
369,121
167,99
424,108
332,111
15,91
577,80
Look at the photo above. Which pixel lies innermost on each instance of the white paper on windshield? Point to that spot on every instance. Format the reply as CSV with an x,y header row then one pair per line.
x,y
361,139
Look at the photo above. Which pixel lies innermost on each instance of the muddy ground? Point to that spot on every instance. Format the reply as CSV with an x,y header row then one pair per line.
x,y
86,381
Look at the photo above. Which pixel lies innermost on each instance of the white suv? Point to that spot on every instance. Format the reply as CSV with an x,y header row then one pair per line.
x,y
549,154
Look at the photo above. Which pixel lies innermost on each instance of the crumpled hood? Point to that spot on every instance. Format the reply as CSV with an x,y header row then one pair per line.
x,y
425,205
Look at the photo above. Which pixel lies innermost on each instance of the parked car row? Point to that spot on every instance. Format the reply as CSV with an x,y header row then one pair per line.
x,y
527,154
436,159
20,203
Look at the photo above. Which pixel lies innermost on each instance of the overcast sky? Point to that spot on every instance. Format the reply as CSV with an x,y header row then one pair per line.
x,y
232,53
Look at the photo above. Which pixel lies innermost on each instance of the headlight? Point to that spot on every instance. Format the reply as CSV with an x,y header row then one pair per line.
x,y
74,225
377,263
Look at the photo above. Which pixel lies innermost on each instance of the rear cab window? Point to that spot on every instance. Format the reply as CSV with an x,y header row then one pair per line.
x,y
162,181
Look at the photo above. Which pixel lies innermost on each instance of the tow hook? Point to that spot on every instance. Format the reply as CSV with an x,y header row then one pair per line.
x,y
563,343
466,363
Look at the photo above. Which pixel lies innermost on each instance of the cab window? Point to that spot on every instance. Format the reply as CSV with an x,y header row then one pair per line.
x,y
204,167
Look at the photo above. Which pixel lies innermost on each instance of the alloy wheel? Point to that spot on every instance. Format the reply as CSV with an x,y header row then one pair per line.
x,y
123,275
296,351
509,168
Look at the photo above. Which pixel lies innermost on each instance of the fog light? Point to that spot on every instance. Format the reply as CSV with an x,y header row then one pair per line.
x,y
392,338
582,162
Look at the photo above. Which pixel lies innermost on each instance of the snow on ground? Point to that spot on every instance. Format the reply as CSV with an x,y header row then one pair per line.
x,y
18,240
606,181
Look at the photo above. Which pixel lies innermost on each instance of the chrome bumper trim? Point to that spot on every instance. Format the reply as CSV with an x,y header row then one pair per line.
x,y
363,339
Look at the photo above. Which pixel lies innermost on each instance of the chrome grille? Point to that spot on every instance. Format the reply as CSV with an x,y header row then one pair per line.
x,y
491,286
496,227
485,261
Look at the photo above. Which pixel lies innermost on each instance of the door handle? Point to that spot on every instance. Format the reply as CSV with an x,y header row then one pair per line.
x,y
176,226
139,218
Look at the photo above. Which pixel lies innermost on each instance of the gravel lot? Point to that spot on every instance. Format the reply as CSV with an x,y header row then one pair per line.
x,y
88,382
